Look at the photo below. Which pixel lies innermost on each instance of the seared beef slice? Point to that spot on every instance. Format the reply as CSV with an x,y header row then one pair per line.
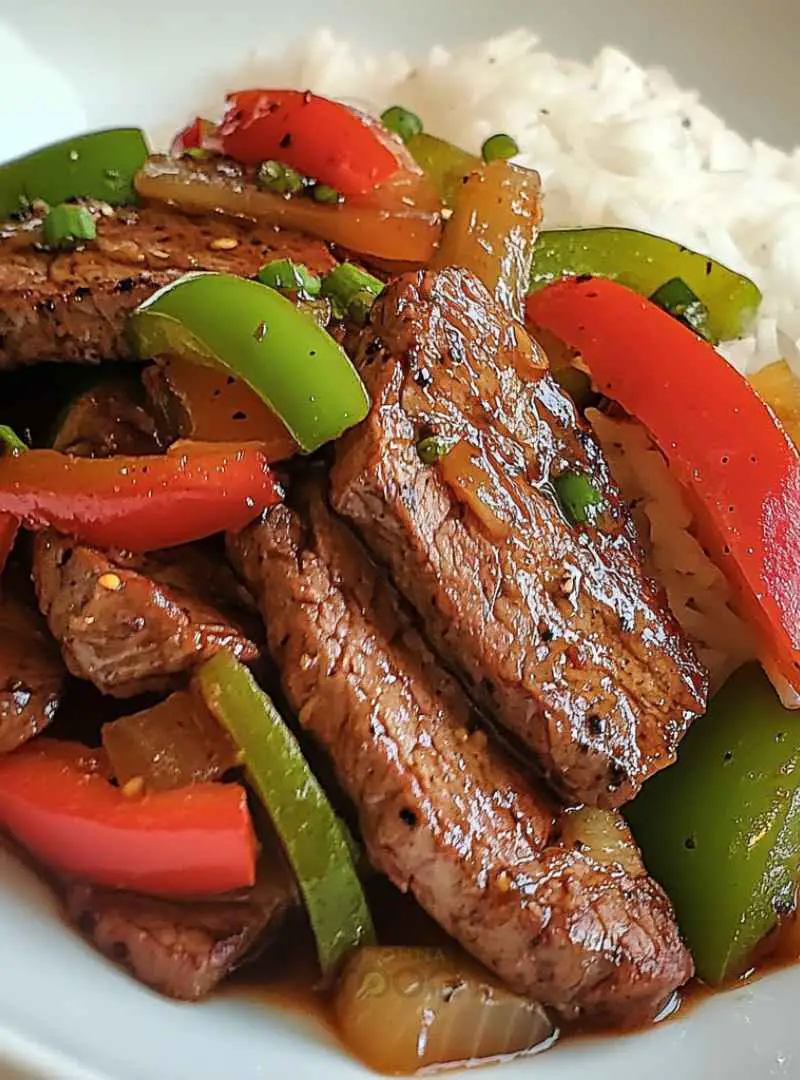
x,y
31,672
444,812
554,627
74,305
131,625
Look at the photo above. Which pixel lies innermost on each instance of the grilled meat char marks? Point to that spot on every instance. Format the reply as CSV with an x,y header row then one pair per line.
x,y
555,628
443,811
73,305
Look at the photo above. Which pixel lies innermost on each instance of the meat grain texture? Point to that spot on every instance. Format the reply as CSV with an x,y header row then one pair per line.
x,y
444,812
554,627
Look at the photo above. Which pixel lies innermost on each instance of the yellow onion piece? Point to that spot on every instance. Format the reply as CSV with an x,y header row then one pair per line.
x,y
404,1009
780,388
603,835
399,221
493,230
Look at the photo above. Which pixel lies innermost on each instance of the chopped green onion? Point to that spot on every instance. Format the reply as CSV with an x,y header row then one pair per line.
x,y
290,275
434,447
197,153
352,291
68,225
280,178
10,442
499,147
323,193
678,300
402,122
312,835
577,496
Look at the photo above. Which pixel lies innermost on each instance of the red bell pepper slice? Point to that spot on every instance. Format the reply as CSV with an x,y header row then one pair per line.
x,y
723,444
189,841
9,527
140,503
199,135
320,138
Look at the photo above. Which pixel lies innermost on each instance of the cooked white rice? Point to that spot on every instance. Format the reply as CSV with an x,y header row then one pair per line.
x,y
616,144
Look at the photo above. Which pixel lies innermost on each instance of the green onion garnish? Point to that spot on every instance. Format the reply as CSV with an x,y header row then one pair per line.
x,y
290,275
280,178
678,300
68,225
499,147
352,291
402,122
434,447
324,193
10,442
577,496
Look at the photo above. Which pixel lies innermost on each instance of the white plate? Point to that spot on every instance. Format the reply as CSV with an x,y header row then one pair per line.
x,y
64,1011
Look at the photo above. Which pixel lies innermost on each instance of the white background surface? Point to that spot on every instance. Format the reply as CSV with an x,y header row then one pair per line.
x,y
64,1011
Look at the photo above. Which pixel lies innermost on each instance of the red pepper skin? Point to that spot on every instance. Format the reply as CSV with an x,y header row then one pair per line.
x,y
723,444
140,503
322,139
199,135
9,527
188,841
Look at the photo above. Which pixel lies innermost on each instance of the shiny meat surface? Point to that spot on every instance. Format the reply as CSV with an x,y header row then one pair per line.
x,y
554,627
444,812
183,950
73,305
31,673
132,625
108,419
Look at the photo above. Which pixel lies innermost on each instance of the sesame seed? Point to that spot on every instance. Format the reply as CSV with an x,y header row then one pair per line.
x,y
134,788
503,881
224,243
112,582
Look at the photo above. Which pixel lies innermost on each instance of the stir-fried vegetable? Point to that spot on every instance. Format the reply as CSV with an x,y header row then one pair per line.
x,y
499,147
352,291
280,178
444,164
721,829
400,221
433,447
312,835
209,405
139,503
602,835
257,335
170,745
188,842
401,122
67,225
780,388
289,276
644,262
338,146
578,497
98,166
735,461
677,299
197,138
493,230
10,444
404,1009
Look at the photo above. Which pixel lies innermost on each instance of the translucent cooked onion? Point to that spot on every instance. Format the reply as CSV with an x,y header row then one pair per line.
x,y
604,835
173,744
404,1009
400,221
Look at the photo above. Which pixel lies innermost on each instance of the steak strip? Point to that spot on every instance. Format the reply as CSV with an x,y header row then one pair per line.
x,y
555,628
443,810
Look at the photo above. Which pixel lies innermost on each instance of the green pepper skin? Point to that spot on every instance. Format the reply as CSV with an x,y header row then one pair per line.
x,y
720,830
97,166
446,165
644,262
314,839
262,338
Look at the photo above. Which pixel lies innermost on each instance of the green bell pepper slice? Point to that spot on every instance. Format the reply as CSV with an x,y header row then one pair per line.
x,y
249,329
101,166
445,165
645,262
720,830
316,843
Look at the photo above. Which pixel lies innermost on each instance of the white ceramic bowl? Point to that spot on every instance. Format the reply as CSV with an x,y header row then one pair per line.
x,y
64,1011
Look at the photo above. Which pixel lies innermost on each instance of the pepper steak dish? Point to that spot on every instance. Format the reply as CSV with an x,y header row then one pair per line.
x,y
324,493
